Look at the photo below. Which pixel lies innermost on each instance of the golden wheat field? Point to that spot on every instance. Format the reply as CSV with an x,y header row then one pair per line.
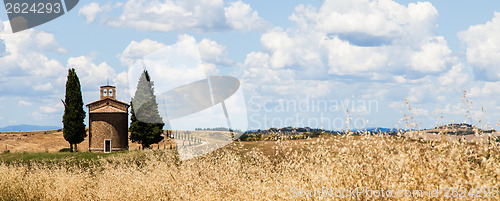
x,y
322,168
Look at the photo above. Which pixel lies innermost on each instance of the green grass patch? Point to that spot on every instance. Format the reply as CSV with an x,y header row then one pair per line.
x,y
56,156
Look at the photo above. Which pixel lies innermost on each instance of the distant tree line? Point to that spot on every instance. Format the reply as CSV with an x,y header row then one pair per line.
x,y
286,133
291,133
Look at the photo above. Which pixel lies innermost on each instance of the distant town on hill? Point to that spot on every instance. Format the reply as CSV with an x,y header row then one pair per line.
x,y
458,129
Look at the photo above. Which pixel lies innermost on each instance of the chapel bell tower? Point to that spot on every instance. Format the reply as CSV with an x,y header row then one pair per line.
x,y
108,92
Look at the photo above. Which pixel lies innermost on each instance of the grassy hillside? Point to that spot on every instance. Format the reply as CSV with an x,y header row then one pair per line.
x,y
26,158
47,141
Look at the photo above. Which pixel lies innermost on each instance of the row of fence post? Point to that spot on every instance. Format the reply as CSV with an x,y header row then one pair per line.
x,y
185,136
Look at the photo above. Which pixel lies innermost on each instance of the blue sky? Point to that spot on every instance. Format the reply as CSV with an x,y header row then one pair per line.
x,y
301,63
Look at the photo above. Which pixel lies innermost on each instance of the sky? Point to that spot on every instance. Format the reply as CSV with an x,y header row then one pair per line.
x,y
331,64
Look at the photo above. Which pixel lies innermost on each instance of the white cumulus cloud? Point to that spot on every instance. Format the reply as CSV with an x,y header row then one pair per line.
x,y
208,50
189,15
91,10
374,39
212,52
240,16
91,75
483,48
25,69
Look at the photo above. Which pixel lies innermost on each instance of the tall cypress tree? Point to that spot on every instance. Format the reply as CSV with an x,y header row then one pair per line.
x,y
146,125
74,114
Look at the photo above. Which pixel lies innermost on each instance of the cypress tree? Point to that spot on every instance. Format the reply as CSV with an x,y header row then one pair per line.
x,y
146,125
74,114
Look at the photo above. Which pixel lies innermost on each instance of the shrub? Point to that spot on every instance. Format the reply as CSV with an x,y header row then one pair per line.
x,y
65,150
244,137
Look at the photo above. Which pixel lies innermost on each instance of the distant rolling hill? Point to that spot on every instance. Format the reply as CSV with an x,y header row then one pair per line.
x,y
377,129
26,127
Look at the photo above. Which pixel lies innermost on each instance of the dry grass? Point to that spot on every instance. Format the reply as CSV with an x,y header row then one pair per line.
x,y
261,171
470,138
